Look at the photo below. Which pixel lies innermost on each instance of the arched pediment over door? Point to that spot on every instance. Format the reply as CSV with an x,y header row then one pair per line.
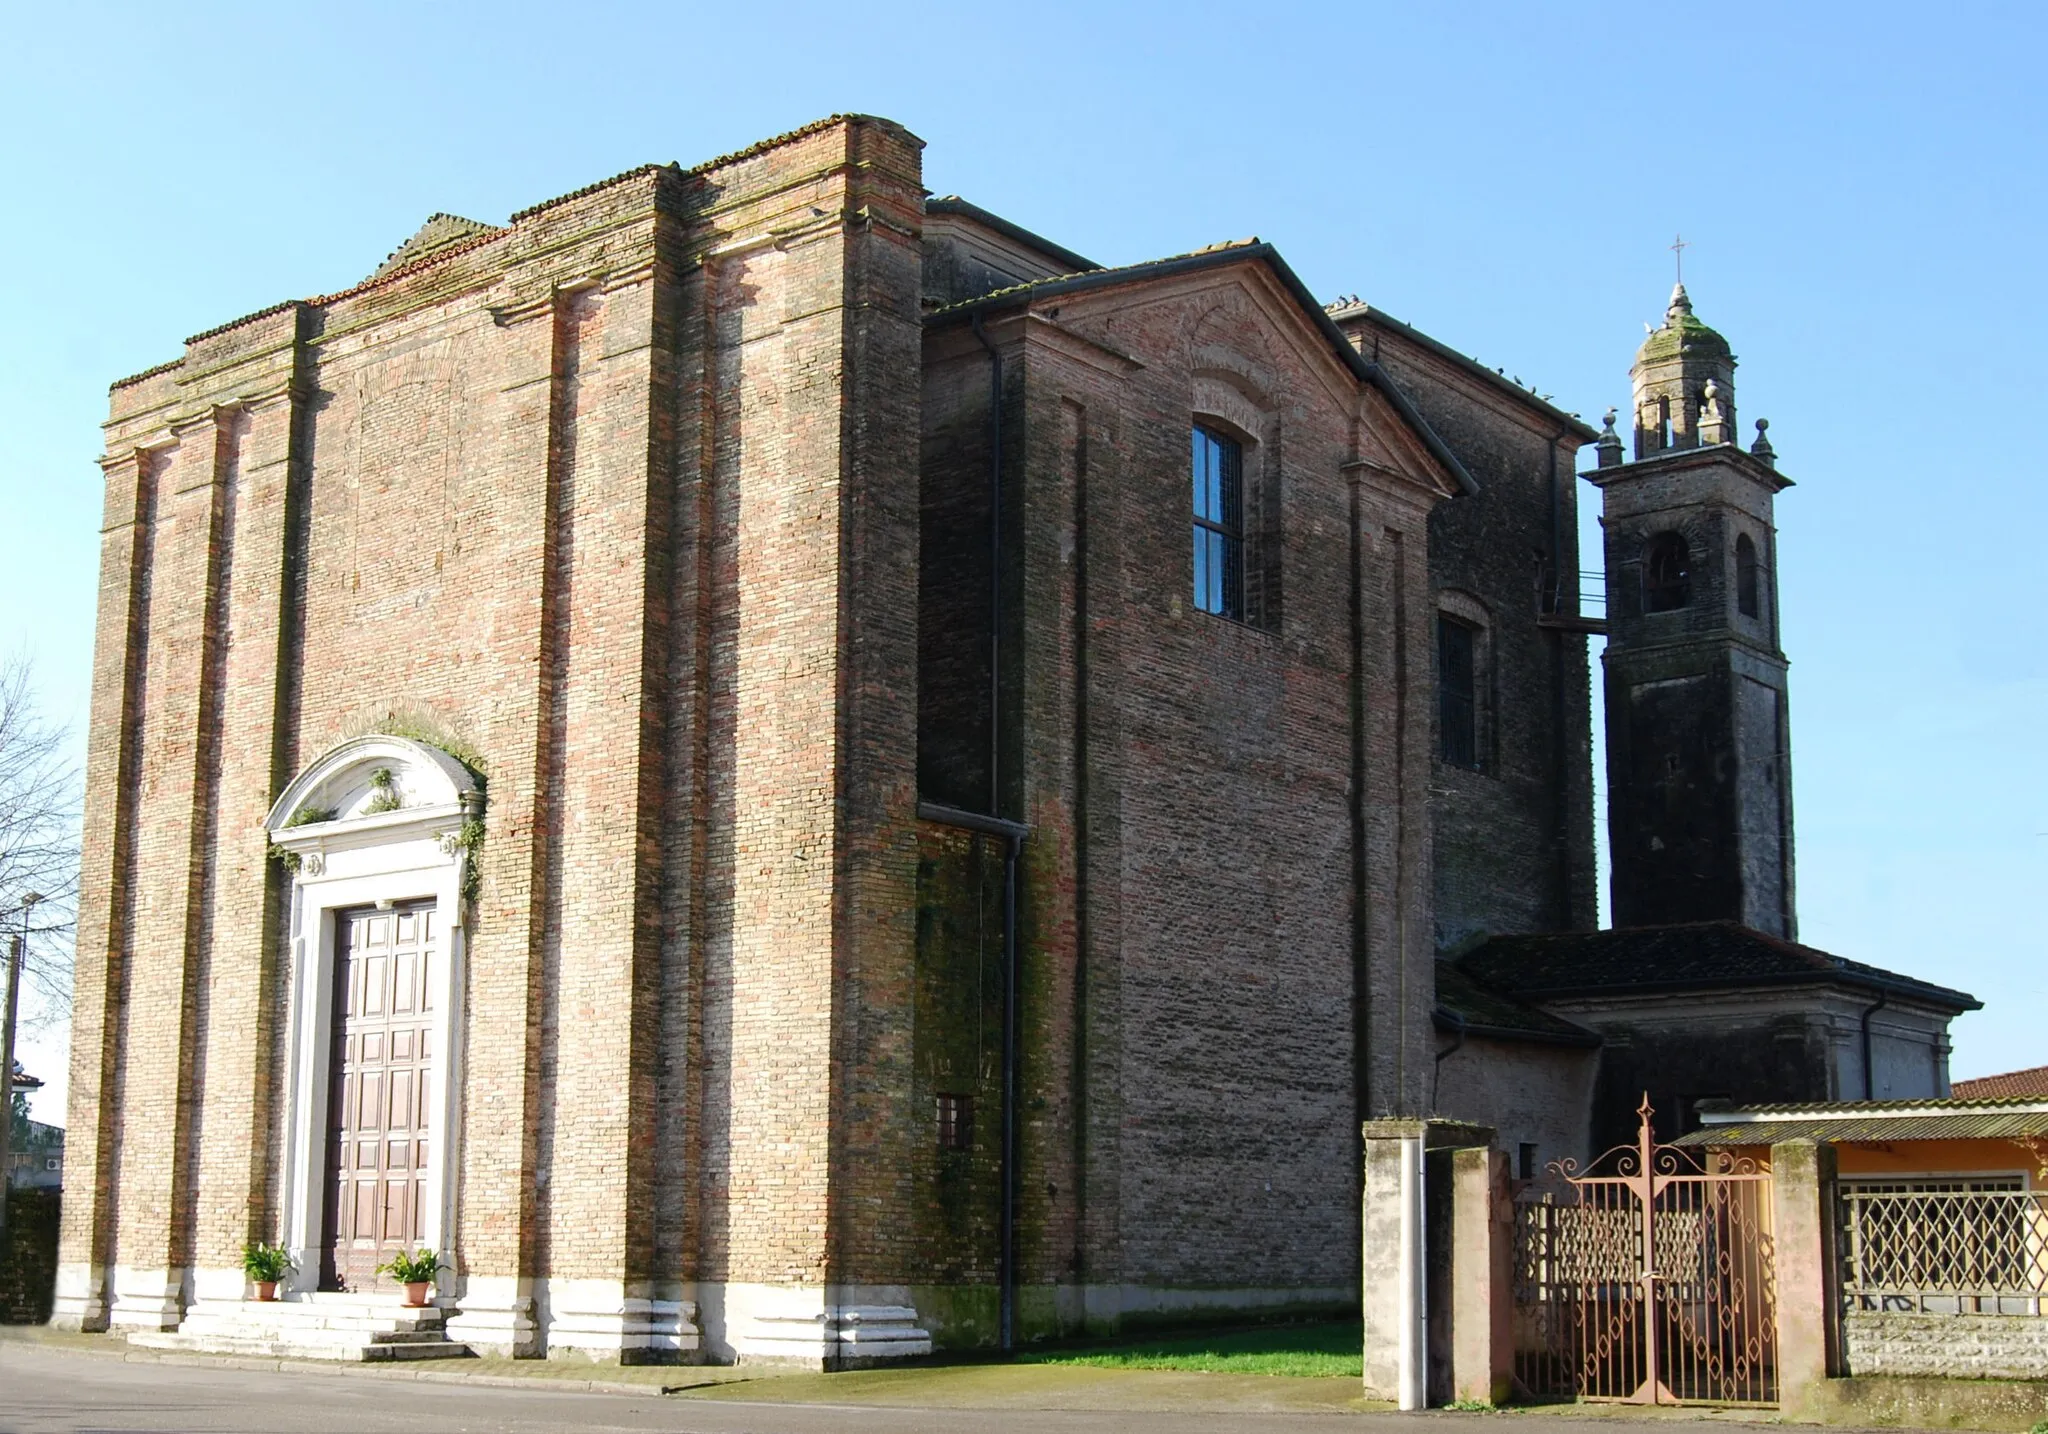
x,y
375,835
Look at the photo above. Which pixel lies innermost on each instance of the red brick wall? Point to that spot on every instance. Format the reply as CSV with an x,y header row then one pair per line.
x,y
1193,943
505,499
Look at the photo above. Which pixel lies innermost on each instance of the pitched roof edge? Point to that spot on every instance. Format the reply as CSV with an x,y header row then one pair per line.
x,y
1576,425
1239,251
967,209
1446,1019
148,373
638,171
1380,379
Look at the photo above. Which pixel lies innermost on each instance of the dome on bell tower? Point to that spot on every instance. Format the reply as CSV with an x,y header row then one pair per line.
x,y
1684,377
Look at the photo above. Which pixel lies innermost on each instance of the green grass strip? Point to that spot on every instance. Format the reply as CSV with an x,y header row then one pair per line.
x,y
1299,1351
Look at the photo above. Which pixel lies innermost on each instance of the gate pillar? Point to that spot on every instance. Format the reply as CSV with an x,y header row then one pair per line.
x,y
1482,1257
1803,1179
1404,1327
1395,1284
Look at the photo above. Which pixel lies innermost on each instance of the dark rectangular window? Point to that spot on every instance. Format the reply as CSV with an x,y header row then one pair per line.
x,y
1219,524
1457,694
1526,1164
956,1122
1746,585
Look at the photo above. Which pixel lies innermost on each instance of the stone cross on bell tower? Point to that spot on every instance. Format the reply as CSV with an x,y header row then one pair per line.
x,y
1699,774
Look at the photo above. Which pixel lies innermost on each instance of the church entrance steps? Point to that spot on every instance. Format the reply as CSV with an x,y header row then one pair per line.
x,y
326,1326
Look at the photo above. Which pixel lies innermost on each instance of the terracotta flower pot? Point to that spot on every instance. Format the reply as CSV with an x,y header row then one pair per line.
x,y
416,1294
266,1291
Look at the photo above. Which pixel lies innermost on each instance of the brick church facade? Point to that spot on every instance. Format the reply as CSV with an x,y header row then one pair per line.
x,y
700,754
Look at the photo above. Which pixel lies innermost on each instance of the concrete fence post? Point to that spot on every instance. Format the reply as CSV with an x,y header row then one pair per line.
x,y
1482,1272
1802,1222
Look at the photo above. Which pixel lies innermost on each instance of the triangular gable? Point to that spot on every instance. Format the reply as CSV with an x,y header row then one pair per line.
x,y
1388,444
1424,458
438,233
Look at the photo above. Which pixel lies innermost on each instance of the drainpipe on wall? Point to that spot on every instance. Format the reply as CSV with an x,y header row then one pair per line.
x,y
995,566
1560,743
1869,1071
1013,834
1457,1044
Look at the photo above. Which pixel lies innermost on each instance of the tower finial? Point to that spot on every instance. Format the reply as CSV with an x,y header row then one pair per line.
x,y
1678,248
1680,306
1609,447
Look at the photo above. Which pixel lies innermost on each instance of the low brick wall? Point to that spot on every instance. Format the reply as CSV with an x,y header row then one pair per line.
x,y
1952,1346
28,1266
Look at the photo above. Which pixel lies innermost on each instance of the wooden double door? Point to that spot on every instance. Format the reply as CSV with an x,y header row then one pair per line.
x,y
379,1073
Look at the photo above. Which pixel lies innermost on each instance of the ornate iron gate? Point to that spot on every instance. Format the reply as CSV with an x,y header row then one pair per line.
x,y
1647,1279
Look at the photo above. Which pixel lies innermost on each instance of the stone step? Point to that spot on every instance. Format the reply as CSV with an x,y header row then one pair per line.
x,y
406,1346
284,1314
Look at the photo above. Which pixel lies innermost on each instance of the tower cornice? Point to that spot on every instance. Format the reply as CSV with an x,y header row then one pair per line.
x,y
1678,459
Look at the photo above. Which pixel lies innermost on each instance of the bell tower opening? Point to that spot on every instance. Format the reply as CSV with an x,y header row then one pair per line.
x,y
1684,378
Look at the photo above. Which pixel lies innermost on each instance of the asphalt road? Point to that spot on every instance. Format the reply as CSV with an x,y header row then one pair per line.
x,y
45,1390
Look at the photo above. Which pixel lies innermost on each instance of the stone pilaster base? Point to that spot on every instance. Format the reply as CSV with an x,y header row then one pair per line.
x,y
496,1316
820,1327
615,1320
147,1298
81,1303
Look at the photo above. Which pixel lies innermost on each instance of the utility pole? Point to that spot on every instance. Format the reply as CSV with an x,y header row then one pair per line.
x,y
16,949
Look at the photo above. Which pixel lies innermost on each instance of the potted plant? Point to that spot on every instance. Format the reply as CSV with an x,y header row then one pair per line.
x,y
415,1272
265,1264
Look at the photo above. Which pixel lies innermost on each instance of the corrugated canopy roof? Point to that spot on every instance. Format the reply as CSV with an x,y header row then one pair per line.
x,y
1879,1120
1955,1125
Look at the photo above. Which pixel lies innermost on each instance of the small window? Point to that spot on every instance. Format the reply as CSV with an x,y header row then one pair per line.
x,y
1526,1161
1667,574
1747,599
1219,524
1457,691
956,1122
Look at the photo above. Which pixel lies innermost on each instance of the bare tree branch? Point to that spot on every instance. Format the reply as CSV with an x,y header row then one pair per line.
x,y
39,817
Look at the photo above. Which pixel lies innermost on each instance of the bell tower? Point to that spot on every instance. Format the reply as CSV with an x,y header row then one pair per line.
x,y
1699,774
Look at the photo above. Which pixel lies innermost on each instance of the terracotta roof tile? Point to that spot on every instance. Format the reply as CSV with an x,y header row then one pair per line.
x,y
135,378
2032,1081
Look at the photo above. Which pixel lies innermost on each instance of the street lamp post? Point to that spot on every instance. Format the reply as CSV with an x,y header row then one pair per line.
x,y
17,949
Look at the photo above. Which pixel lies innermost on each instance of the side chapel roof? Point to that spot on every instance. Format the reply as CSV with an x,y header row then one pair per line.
x,y
1680,957
1464,1005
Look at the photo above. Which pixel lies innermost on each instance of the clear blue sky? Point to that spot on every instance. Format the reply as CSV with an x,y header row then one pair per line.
x,y
1862,186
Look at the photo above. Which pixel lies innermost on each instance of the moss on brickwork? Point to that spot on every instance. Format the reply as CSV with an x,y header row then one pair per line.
x,y
959,1052
1687,335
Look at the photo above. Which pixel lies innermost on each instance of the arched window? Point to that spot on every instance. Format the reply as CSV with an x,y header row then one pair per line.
x,y
1747,582
1667,574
